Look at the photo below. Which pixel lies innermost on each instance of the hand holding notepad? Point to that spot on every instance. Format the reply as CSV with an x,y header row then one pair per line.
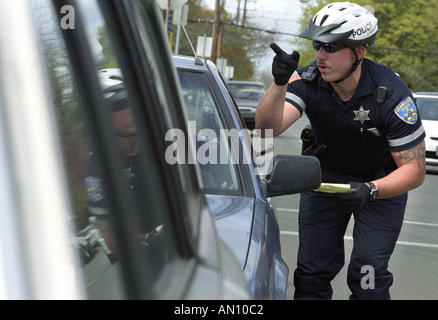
x,y
333,187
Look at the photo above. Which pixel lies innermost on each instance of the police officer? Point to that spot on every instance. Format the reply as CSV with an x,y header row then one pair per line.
x,y
367,121
123,123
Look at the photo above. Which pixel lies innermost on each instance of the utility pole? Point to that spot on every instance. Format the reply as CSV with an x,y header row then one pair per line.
x,y
238,12
216,32
244,14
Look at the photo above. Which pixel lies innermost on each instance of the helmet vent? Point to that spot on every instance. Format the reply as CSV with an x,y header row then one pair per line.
x,y
324,19
116,77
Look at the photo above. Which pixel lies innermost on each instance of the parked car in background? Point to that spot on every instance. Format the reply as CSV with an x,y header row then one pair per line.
x,y
54,115
238,191
247,95
427,103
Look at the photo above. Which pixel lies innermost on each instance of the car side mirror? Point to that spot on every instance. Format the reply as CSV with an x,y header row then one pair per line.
x,y
292,174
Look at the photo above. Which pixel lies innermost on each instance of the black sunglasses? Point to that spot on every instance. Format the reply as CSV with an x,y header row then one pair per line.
x,y
328,47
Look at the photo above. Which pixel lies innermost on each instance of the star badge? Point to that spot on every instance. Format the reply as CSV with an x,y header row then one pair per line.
x,y
128,172
361,115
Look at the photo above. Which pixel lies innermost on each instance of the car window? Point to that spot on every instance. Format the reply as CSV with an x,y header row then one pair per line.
x,y
90,239
116,201
217,146
428,108
166,92
247,91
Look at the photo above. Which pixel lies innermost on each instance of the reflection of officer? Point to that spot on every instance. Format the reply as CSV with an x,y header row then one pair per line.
x,y
124,126
367,120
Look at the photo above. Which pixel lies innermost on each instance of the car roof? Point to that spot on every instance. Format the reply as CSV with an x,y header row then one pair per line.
x,y
246,82
189,62
426,94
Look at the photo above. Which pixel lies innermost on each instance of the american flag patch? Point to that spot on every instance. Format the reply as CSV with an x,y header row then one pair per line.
x,y
295,76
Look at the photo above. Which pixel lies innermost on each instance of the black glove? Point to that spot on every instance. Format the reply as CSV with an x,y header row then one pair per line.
x,y
353,199
283,65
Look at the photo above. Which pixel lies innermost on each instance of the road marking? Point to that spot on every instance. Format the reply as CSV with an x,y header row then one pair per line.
x,y
404,243
406,221
289,233
287,210
418,244
422,223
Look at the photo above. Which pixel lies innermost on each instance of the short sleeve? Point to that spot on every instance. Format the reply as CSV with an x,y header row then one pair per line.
x,y
404,129
296,92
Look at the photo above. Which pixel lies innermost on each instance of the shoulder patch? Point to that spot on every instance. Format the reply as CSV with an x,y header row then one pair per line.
x,y
294,77
94,189
407,111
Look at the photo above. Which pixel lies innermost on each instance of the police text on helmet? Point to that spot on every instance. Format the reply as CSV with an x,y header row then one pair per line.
x,y
362,30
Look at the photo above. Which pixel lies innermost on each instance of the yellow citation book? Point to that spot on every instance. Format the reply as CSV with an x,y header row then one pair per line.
x,y
333,187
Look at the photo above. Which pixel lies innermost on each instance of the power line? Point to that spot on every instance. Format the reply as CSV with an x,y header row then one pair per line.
x,y
404,50
244,27
297,35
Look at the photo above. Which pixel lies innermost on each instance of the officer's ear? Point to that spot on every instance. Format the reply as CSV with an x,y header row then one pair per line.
x,y
360,52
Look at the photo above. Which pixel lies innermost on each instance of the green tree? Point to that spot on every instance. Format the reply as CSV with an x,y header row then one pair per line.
x,y
107,59
406,40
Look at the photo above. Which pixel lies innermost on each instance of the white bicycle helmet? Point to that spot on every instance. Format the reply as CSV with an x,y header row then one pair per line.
x,y
342,22
114,90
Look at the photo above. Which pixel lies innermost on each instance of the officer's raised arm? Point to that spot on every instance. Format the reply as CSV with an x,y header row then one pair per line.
x,y
273,112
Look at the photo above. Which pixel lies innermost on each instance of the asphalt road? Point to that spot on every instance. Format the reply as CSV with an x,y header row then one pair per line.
x,y
415,260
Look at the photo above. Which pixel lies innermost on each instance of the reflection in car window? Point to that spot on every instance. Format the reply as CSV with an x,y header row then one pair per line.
x,y
151,227
101,275
93,226
159,82
217,147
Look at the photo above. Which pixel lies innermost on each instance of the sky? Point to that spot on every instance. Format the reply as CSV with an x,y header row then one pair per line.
x,y
278,15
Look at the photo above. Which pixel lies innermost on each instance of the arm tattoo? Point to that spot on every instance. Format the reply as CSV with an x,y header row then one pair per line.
x,y
416,153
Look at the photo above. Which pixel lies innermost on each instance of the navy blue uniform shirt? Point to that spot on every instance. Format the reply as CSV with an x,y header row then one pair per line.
x,y
97,200
360,134
135,171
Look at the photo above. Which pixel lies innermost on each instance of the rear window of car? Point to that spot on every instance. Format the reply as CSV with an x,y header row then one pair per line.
x,y
428,108
247,91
